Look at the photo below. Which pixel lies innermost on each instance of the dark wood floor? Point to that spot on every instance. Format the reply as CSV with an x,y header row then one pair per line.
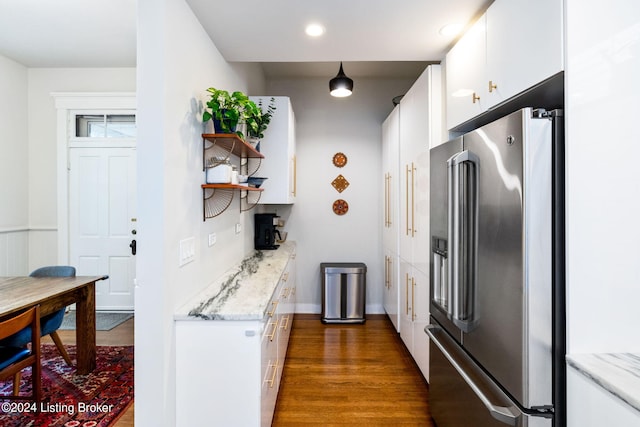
x,y
350,375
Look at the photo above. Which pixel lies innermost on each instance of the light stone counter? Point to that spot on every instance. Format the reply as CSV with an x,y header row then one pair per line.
x,y
617,373
243,292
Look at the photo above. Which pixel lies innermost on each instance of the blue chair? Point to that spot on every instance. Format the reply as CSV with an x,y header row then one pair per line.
x,y
14,359
50,323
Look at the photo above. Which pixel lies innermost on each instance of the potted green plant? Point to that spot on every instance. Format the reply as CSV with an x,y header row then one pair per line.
x,y
257,118
226,110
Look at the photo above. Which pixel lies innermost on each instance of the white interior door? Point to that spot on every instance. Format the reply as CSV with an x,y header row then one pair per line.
x,y
102,221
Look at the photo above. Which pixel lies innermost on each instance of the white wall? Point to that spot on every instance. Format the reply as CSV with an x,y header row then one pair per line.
x,y
14,168
42,131
325,126
603,187
176,63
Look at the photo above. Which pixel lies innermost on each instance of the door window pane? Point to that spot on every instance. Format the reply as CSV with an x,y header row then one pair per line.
x,y
106,126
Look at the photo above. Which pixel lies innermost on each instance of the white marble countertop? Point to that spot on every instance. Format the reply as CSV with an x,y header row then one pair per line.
x,y
617,373
243,292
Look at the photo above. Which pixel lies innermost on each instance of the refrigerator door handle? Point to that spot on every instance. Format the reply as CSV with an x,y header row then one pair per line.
x,y
501,413
463,237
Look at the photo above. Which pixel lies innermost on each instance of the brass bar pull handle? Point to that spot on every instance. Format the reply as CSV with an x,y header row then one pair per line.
x,y
272,380
274,305
492,86
407,200
295,172
273,331
475,98
413,298
389,200
413,200
386,200
285,320
406,286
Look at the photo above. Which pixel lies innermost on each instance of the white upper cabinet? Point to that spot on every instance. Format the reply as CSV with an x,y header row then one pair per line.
x,y
515,45
465,71
279,149
524,46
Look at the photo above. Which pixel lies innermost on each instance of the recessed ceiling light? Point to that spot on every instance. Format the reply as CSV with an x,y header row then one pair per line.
x,y
314,30
451,29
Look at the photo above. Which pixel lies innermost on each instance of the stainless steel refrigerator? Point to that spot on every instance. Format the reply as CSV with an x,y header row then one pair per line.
x,y
497,280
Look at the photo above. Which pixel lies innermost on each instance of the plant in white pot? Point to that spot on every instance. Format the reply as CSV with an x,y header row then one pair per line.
x,y
257,119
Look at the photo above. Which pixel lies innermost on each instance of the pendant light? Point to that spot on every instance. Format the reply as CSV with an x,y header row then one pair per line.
x,y
341,85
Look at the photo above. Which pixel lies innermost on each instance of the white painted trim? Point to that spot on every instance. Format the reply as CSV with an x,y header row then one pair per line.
x,y
14,230
65,102
95,100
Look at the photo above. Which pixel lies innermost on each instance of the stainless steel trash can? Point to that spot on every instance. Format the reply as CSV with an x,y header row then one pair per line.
x,y
343,292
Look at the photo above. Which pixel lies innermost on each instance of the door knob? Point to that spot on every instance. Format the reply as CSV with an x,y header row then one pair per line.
x,y
133,247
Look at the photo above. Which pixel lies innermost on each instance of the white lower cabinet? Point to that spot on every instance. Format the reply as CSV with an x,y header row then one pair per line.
x,y
228,371
589,405
391,293
414,314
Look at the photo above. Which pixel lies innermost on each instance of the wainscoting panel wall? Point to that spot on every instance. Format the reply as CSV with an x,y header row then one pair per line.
x,y
14,252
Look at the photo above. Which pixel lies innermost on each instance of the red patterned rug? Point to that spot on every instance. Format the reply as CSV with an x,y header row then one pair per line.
x,y
70,400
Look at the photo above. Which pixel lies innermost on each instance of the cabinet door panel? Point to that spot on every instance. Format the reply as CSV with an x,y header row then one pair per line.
x,y
391,290
420,297
466,65
278,147
406,322
390,184
524,45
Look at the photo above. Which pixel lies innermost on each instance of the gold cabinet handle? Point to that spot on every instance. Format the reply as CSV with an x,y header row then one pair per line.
x,y
413,298
492,86
475,97
386,200
272,380
389,201
285,320
274,305
386,271
273,331
406,286
285,277
413,200
295,180
407,199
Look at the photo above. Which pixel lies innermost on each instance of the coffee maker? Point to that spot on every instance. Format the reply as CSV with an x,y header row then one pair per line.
x,y
265,231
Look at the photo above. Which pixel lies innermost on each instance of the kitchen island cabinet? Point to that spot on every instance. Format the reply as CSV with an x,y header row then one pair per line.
x,y
231,342
603,389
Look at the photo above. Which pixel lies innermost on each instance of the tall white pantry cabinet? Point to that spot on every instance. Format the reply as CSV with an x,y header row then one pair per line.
x,y
407,190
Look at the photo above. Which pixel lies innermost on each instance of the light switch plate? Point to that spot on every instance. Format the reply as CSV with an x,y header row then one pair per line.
x,y
212,239
187,251
238,228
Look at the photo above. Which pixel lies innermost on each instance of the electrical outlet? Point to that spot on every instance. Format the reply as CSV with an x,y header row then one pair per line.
x,y
212,239
187,251
238,228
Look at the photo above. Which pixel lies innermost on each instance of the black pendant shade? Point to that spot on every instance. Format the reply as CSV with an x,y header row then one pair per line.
x,y
341,85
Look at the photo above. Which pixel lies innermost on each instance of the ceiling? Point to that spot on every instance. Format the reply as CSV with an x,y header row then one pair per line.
x,y
373,37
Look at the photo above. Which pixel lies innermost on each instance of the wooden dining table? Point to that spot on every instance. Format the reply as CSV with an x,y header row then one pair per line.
x,y
52,294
